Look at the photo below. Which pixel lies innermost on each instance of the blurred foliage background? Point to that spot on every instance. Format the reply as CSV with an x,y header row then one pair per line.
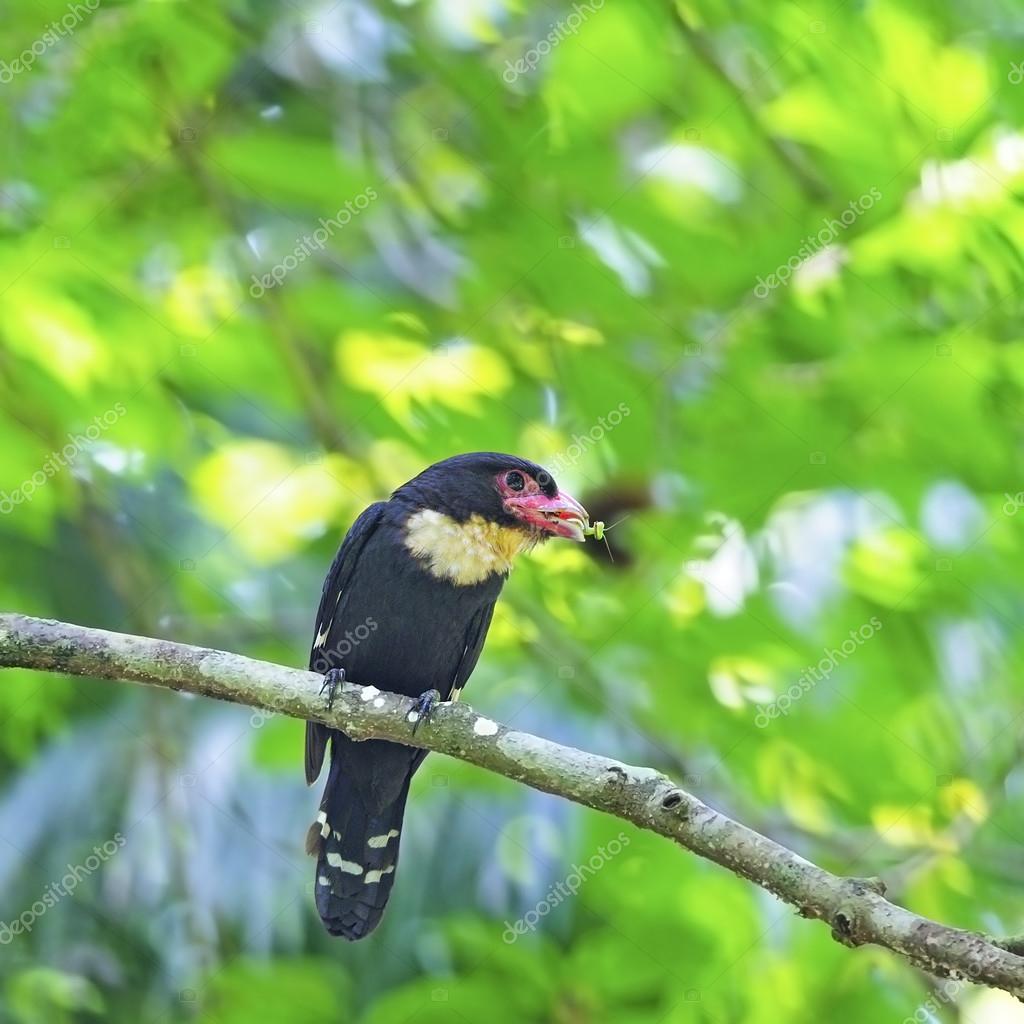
x,y
747,276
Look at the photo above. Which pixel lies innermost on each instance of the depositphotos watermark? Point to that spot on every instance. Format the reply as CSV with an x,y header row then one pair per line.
x,y
567,26
814,674
326,658
310,244
569,886
56,891
1013,504
54,33
945,992
581,442
60,460
813,244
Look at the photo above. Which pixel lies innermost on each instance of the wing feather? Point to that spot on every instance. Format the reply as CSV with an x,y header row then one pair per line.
x,y
475,636
334,586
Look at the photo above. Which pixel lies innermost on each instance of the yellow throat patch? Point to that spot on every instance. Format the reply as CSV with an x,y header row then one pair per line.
x,y
465,553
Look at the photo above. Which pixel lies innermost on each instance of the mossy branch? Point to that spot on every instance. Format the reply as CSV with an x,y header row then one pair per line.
x,y
855,909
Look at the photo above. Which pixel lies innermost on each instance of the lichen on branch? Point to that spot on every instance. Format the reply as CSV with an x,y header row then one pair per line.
x,y
855,910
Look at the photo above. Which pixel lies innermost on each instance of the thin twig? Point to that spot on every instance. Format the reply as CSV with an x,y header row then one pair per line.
x,y
788,157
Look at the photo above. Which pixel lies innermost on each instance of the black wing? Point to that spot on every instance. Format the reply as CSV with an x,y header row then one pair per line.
x,y
334,586
475,636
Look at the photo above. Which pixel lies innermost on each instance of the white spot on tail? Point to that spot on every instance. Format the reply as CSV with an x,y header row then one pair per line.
x,y
369,692
324,880
377,842
325,829
350,867
321,637
485,727
375,876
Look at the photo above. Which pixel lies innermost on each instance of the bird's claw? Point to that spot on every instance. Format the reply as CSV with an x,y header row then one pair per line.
x,y
424,707
333,678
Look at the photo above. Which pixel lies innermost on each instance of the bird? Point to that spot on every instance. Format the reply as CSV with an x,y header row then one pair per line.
x,y
405,607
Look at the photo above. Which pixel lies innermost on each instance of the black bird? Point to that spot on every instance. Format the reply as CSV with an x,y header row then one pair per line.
x,y
406,607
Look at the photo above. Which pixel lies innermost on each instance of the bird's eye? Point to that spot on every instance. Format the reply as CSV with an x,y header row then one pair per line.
x,y
514,481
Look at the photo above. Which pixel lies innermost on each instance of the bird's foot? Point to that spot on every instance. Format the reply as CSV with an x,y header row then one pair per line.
x,y
424,708
333,678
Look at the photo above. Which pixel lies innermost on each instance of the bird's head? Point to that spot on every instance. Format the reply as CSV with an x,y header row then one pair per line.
x,y
472,513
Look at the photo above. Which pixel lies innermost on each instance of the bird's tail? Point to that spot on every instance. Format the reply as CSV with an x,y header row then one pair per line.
x,y
357,852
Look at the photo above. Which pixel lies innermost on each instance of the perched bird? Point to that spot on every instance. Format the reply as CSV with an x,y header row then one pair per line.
x,y
406,607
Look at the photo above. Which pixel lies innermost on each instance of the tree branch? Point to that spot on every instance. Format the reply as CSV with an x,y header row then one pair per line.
x,y
855,909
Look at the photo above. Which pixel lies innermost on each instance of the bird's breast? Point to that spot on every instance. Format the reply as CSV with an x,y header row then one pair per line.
x,y
398,625
463,553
